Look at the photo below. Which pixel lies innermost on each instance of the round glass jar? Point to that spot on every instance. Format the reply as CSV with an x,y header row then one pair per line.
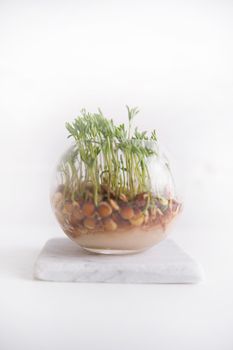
x,y
114,199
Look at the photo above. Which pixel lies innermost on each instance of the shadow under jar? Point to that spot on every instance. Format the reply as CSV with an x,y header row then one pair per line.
x,y
114,199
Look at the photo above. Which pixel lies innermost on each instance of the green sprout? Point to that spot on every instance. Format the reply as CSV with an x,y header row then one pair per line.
x,y
107,156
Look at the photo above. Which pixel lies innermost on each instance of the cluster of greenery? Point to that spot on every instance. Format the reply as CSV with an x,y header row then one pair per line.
x,y
107,155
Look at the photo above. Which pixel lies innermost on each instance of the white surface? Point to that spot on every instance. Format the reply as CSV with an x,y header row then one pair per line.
x,y
61,260
50,315
172,59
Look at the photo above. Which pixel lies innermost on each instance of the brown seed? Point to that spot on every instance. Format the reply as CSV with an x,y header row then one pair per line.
x,y
126,213
116,216
142,195
137,220
106,190
104,209
68,208
110,225
76,216
88,209
89,223
114,204
141,199
123,197
76,204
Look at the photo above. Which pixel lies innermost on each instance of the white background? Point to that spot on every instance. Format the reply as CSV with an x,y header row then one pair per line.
x,y
172,59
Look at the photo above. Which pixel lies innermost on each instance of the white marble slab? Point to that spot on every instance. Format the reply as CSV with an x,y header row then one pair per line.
x,y
61,260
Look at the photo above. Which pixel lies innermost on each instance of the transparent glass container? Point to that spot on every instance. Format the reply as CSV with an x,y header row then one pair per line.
x,y
117,204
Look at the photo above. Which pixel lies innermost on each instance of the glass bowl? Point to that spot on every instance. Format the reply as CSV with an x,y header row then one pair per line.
x,y
113,199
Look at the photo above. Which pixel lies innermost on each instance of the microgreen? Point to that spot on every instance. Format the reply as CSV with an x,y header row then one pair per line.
x,y
105,154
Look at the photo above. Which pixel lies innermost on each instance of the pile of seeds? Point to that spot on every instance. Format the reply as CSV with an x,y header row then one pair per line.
x,y
81,216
